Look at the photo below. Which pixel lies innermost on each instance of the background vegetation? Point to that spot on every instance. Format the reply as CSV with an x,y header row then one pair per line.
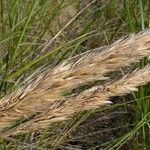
x,y
39,34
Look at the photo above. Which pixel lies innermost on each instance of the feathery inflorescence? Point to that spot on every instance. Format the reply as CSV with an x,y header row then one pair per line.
x,y
43,98
89,99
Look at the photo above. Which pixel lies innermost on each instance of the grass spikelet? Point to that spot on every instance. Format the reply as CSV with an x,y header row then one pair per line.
x,y
89,99
44,97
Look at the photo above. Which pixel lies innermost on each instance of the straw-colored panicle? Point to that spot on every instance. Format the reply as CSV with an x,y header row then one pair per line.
x,y
91,98
44,96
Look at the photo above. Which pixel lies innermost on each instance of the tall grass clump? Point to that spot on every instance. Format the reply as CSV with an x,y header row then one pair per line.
x,y
74,74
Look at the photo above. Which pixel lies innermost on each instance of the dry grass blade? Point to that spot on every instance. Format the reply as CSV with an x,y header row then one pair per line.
x,y
45,94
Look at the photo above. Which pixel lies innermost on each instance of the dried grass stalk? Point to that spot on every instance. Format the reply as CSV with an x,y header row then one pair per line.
x,y
44,96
